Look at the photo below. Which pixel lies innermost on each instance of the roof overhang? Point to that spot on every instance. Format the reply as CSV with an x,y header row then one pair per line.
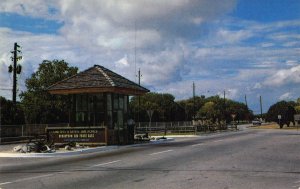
x,y
118,90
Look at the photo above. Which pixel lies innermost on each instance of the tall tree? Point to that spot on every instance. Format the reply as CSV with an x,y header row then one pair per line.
x,y
285,110
163,105
38,105
9,113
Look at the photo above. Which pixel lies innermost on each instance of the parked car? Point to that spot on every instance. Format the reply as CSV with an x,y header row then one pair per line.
x,y
256,122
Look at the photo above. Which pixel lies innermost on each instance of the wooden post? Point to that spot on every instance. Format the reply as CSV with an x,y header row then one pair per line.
x,y
106,135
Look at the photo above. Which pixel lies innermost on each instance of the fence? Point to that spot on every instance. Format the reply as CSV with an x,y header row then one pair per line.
x,y
20,132
154,128
165,128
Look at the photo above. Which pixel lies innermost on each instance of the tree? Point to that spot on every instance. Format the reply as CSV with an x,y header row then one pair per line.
x,y
297,106
163,105
38,105
210,111
191,106
283,108
239,109
10,114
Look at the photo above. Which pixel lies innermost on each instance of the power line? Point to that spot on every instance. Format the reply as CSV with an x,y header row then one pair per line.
x,y
4,89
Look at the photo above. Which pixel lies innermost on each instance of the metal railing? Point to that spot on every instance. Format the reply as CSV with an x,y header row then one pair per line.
x,y
165,128
27,130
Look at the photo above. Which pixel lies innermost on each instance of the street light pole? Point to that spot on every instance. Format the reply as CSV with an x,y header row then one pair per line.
x,y
194,111
224,107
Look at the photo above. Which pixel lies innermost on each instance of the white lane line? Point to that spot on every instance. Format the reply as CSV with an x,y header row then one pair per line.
x,y
296,187
218,140
200,144
297,182
26,179
161,152
107,163
4,183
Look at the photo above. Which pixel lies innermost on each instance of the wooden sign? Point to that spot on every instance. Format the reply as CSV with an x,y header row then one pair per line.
x,y
81,135
297,117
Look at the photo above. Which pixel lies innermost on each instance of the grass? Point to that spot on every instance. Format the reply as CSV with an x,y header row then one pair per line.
x,y
275,126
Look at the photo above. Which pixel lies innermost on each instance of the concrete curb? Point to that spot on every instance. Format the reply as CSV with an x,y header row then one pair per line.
x,y
78,151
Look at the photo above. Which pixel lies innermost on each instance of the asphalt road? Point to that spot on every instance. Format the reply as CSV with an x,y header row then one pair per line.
x,y
244,159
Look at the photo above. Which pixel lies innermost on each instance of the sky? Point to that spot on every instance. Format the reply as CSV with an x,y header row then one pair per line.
x,y
241,47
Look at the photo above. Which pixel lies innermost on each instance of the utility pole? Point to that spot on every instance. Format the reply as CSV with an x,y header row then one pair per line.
x,y
260,100
224,107
15,69
139,81
246,101
194,111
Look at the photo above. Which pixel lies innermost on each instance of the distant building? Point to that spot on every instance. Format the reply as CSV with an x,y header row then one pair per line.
x,y
99,98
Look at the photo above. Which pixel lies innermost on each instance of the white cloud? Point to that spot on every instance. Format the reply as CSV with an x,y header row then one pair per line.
x,y
267,44
257,86
123,62
286,96
232,37
284,76
292,62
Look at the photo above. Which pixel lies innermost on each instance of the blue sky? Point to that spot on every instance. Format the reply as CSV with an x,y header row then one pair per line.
x,y
243,47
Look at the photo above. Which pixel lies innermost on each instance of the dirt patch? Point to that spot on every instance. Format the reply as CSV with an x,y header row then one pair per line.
x,y
275,126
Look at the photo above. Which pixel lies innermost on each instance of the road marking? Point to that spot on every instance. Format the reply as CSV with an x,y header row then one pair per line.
x,y
160,152
101,164
25,179
200,144
218,140
296,187
297,182
4,183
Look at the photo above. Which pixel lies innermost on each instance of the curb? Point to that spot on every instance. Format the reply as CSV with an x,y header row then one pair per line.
x,y
79,151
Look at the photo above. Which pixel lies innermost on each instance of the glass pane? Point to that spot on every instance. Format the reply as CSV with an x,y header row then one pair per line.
x,y
91,102
78,103
99,103
121,102
116,101
109,119
125,103
120,119
84,102
109,105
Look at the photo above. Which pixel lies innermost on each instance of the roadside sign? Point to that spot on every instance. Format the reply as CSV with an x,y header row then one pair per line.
x,y
150,113
297,117
233,116
279,116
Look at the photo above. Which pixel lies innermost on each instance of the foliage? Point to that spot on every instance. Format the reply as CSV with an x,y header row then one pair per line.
x,y
38,105
192,108
166,109
210,111
283,108
9,114
297,109
163,105
239,109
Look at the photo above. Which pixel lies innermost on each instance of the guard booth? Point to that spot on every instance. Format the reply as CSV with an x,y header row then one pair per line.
x,y
98,112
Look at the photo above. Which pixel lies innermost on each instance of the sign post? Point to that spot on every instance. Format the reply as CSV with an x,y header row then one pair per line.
x,y
279,119
150,113
297,119
233,117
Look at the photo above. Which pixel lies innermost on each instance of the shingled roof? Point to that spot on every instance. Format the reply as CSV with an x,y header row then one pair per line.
x,y
97,79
